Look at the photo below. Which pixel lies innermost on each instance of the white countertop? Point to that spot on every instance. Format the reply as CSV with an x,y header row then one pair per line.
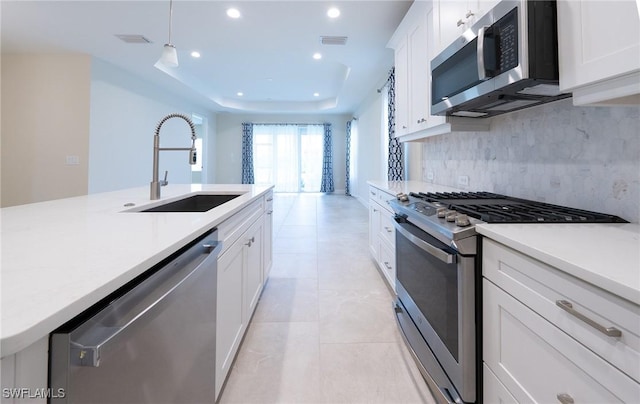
x,y
605,255
62,256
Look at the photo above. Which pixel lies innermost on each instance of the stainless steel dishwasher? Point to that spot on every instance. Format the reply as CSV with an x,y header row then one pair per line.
x,y
152,342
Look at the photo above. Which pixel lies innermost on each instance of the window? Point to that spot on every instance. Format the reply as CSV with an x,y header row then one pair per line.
x,y
288,156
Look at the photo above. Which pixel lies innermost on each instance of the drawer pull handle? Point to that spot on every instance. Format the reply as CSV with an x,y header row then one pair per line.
x,y
386,264
388,229
564,398
608,331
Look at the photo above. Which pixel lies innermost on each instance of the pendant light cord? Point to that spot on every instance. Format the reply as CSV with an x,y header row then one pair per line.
x,y
170,19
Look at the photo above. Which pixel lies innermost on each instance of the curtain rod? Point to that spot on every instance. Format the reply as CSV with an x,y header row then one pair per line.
x,y
286,124
379,90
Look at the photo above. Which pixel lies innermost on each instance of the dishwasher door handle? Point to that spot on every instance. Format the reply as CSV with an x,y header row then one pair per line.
x,y
97,336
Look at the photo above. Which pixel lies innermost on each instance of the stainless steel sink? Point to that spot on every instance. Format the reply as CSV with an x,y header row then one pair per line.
x,y
194,203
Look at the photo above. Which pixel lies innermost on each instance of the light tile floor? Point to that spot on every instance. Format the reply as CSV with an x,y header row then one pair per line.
x,y
324,330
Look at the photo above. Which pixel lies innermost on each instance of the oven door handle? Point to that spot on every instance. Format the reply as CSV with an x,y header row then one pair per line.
x,y
435,251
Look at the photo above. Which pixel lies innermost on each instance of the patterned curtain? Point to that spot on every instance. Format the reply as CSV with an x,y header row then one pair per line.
x,y
395,170
347,191
327,161
247,153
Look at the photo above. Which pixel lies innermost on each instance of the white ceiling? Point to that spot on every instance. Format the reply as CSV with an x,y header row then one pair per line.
x,y
266,54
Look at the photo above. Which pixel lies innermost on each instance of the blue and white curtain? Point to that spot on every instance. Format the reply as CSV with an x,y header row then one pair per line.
x,y
327,161
395,171
347,190
247,153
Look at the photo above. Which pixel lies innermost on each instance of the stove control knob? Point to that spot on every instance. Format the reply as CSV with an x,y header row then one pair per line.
x,y
441,212
402,197
451,216
462,220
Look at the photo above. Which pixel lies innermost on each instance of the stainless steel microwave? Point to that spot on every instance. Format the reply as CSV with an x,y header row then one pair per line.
x,y
508,60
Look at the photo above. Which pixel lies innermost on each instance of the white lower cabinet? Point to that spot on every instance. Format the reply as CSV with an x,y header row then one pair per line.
x,y
230,323
268,235
494,391
253,270
241,276
534,351
382,234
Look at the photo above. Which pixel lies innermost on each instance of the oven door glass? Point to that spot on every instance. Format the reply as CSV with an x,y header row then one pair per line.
x,y
430,281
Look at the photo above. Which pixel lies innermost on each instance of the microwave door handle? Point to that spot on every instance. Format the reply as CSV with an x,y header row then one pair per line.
x,y
482,72
434,251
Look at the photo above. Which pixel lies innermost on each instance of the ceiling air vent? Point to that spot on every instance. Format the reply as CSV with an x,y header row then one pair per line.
x,y
333,40
133,38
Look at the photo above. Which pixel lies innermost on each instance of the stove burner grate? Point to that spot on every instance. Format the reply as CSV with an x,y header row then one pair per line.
x,y
495,208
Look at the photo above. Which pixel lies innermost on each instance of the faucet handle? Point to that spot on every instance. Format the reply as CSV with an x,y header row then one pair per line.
x,y
164,181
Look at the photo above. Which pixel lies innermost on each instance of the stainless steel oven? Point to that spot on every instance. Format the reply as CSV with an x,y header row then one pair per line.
x,y
436,308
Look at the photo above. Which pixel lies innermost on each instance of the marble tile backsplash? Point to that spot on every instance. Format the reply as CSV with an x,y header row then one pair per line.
x,y
582,157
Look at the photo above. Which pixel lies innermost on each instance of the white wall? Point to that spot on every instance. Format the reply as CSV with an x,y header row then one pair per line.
x,y
229,142
45,118
582,157
125,111
370,154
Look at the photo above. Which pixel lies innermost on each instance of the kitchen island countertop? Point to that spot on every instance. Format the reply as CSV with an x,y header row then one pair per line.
x,y
60,257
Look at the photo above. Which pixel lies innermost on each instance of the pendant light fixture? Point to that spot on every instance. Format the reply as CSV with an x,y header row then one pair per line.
x,y
169,56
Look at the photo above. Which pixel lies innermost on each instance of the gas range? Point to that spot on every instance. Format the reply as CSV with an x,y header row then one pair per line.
x,y
453,215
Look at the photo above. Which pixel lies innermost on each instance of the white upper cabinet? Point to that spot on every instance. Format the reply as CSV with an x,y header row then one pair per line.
x,y
599,51
453,17
414,43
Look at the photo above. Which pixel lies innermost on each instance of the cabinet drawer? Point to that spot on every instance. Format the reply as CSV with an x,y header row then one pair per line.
x,y
493,391
383,199
231,229
537,362
542,287
387,230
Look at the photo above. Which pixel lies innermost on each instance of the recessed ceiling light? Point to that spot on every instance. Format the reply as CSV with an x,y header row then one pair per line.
x,y
316,94
195,54
333,13
233,13
317,56
239,93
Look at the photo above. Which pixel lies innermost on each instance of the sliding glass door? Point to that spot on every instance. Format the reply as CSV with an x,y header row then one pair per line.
x,y
289,156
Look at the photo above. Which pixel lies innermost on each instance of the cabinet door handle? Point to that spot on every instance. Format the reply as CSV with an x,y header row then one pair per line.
x,y
421,120
608,331
564,398
469,14
388,229
459,23
386,264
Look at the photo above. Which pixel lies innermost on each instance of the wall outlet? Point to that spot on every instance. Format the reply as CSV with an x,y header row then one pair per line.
x,y
72,160
463,180
430,176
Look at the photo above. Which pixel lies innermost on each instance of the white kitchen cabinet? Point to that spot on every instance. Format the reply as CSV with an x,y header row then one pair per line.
x,y
253,270
241,276
493,391
413,43
24,375
599,51
542,353
382,234
268,235
230,321
452,17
